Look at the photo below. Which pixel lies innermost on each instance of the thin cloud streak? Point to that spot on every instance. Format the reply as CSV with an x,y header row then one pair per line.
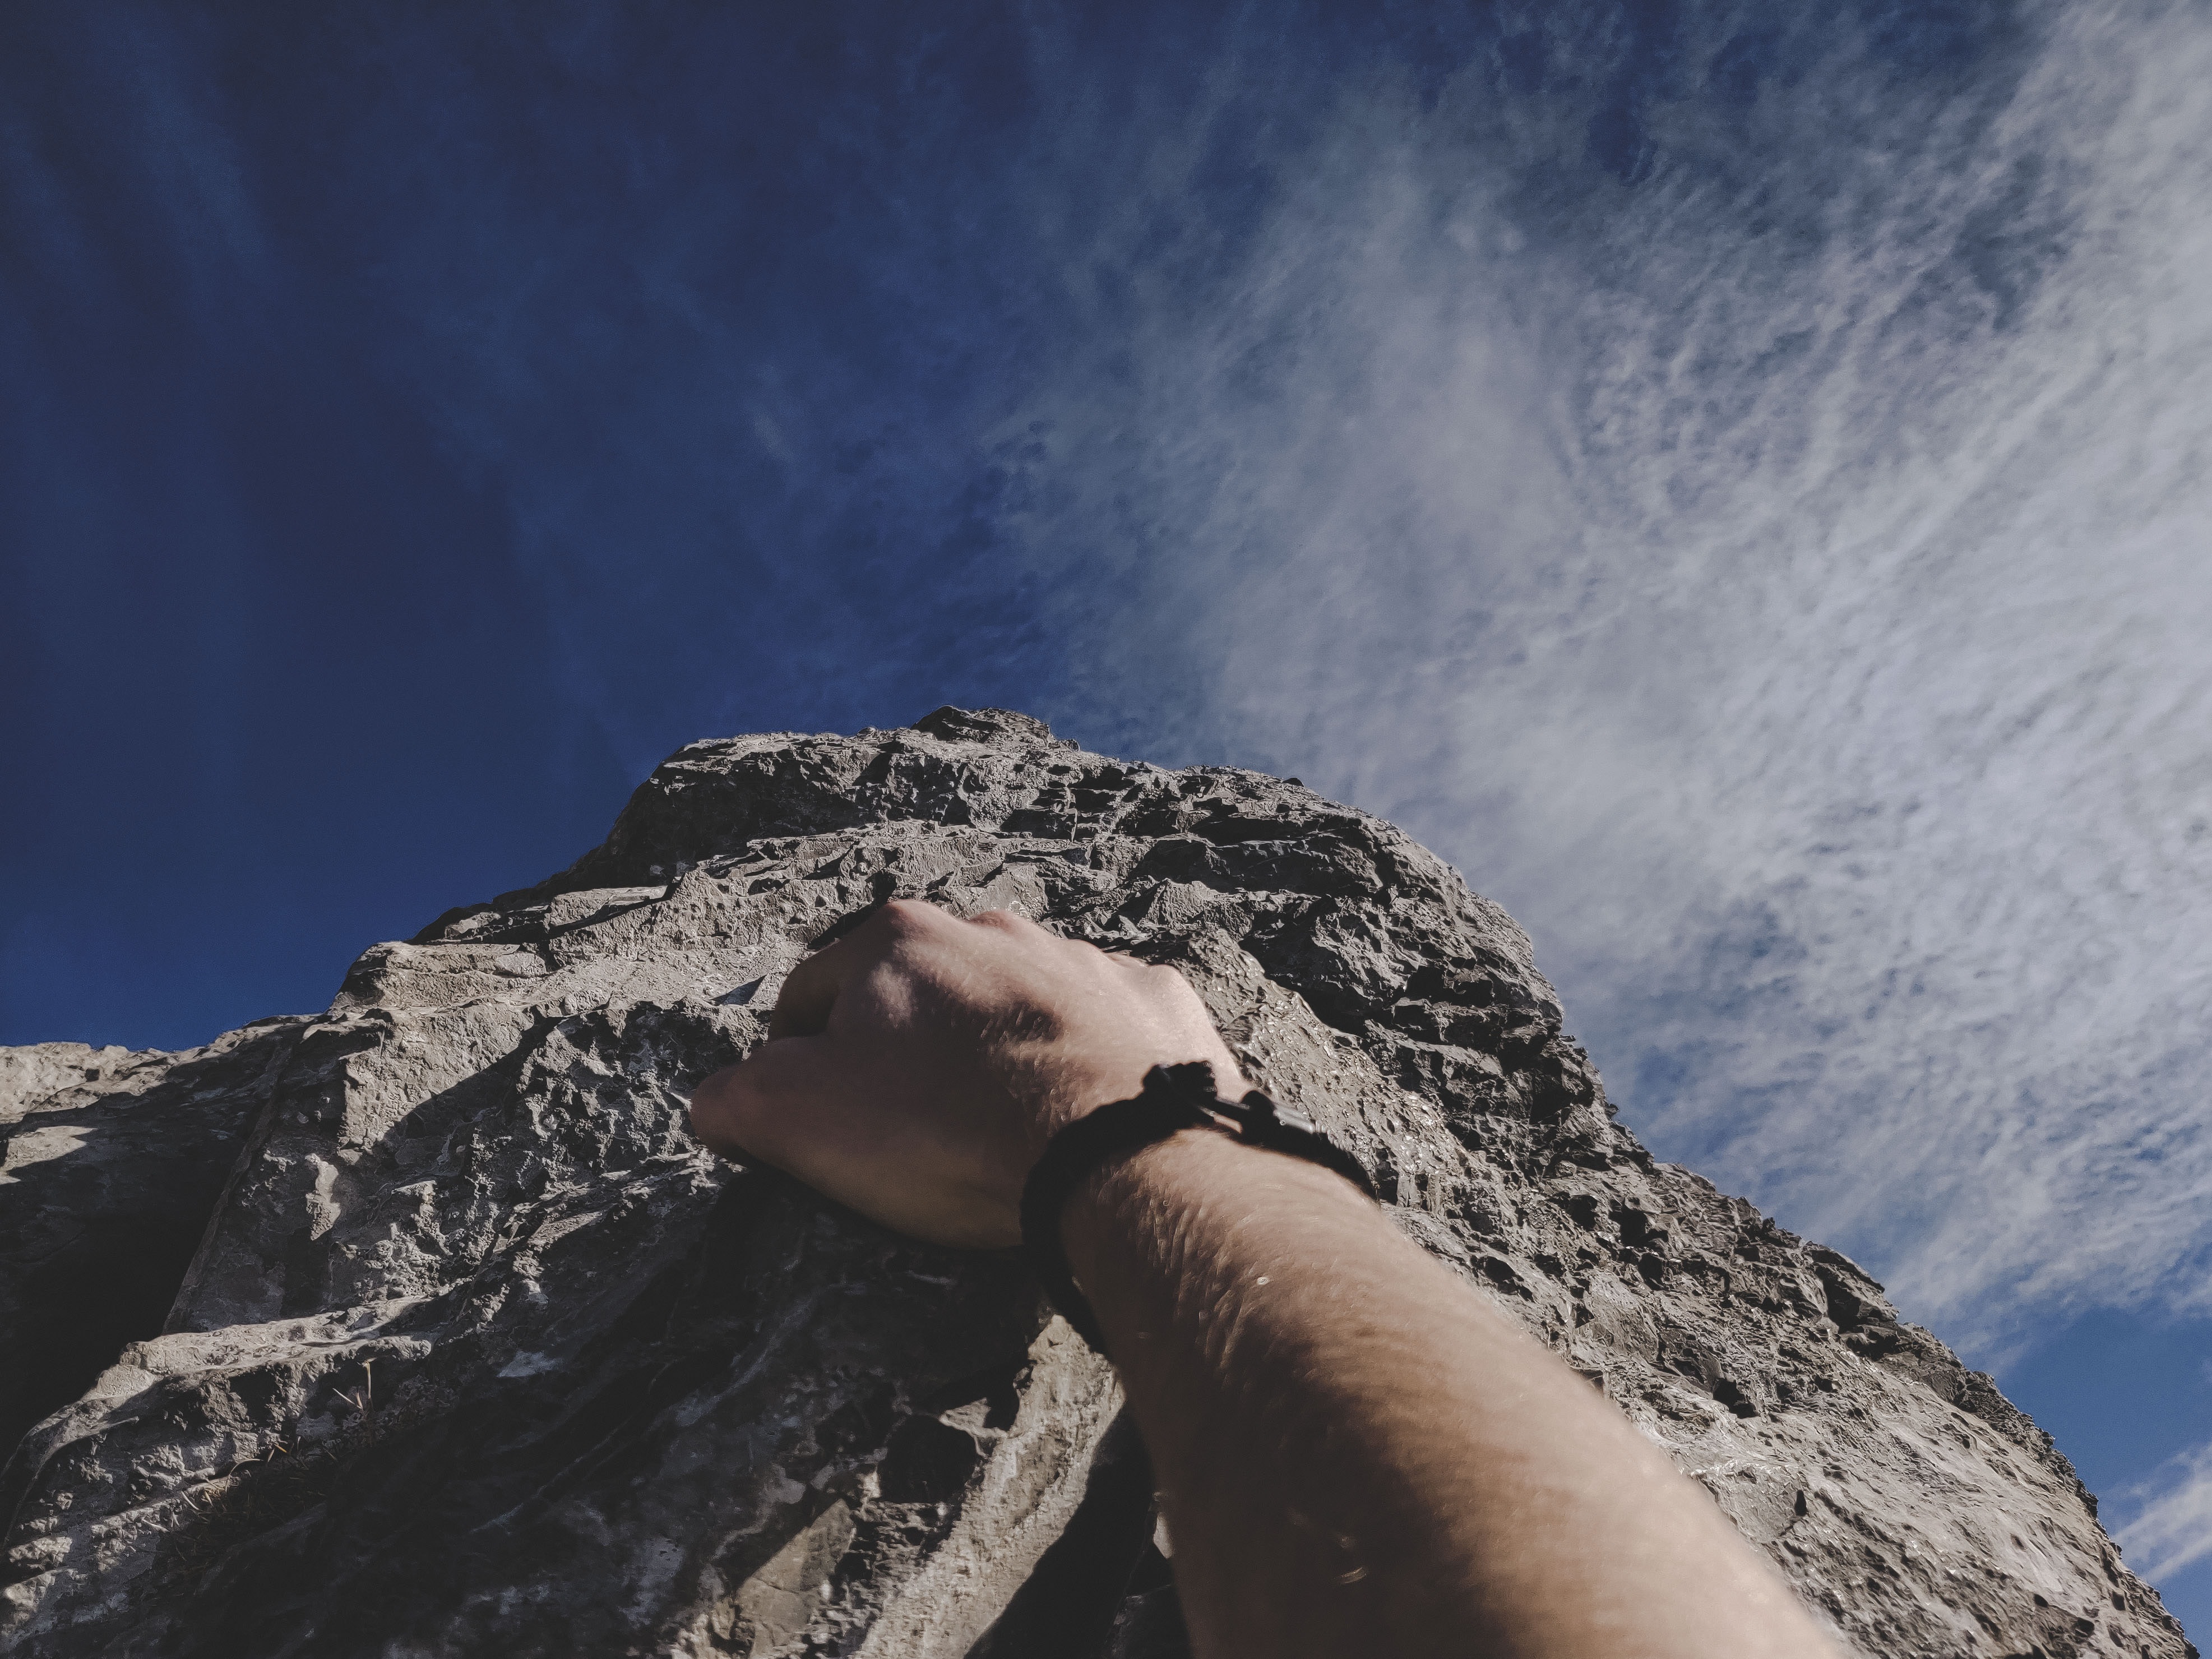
x,y
1797,620
1737,495
2172,1529
1731,477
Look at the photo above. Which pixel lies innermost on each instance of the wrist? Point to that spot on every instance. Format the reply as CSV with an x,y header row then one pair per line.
x,y
1144,1233
1176,1103
1135,1192
1054,1098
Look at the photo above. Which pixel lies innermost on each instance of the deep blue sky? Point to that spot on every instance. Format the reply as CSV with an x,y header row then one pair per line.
x,y
422,418
376,514
1603,435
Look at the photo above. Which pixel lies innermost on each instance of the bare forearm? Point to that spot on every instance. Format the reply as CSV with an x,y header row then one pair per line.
x,y
1359,1455
1356,1455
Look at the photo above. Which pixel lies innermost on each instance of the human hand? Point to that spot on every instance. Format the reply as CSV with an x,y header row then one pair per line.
x,y
916,1067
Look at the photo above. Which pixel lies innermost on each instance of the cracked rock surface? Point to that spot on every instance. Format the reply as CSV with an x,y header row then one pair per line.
x,y
422,1327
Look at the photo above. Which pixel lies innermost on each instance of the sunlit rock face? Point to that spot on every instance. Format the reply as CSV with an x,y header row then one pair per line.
x,y
422,1327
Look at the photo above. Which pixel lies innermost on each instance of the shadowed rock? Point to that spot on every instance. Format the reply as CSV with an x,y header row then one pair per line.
x,y
422,1327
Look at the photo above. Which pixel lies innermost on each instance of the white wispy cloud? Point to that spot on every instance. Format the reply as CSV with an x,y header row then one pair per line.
x,y
2173,1528
1778,574
1787,589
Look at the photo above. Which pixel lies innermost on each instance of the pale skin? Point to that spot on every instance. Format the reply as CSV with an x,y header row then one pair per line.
x,y
1356,1454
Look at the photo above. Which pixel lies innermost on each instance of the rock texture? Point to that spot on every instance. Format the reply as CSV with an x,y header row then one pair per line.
x,y
421,1327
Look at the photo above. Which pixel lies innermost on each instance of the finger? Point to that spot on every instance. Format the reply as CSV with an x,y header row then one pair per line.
x,y
810,990
711,1111
747,1110
793,1105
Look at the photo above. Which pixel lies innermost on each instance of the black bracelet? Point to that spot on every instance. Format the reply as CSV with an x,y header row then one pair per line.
x,y
1174,1099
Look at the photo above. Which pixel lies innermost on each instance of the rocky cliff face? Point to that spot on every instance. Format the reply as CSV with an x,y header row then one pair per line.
x,y
421,1327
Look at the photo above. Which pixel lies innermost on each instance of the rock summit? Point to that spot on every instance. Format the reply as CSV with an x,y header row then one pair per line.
x,y
422,1326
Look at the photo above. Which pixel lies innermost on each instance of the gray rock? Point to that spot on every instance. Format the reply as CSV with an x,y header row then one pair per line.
x,y
469,1348
113,1162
